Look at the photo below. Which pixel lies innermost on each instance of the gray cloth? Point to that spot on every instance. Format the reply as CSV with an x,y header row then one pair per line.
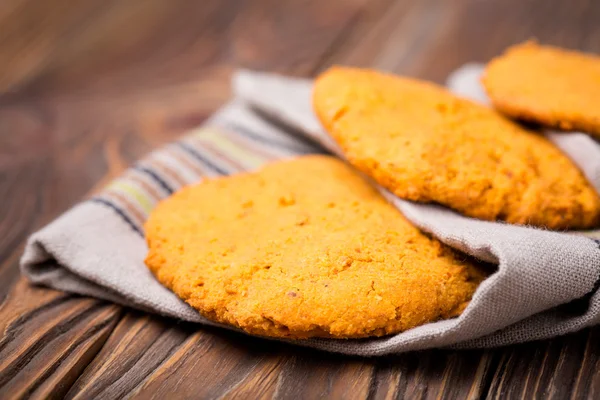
x,y
545,283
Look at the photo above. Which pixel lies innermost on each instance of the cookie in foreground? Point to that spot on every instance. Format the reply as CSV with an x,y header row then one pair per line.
x,y
425,144
548,85
304,248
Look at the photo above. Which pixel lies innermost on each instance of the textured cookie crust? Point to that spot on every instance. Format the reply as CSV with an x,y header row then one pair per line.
x,y
303,248
425,144
547,85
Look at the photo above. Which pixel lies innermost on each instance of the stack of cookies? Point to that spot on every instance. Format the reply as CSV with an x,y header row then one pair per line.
x,y
309,248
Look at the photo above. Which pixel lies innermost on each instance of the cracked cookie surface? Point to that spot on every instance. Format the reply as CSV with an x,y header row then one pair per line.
x,y
304,248
547,85
425,144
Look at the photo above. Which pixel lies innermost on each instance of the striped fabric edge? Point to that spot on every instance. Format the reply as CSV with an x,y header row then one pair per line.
x,y
119,211
208,151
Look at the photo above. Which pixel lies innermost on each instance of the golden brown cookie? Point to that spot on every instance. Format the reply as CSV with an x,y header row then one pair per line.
x,y
547,85
425,144
303,248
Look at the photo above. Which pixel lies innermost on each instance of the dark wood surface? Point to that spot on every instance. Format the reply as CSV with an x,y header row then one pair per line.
x,y
87,87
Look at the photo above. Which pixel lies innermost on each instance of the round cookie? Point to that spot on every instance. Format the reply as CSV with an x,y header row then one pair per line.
x,y
304,248
425,144
547,85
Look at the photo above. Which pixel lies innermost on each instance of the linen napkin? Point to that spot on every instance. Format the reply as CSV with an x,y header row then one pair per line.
x,y
546,283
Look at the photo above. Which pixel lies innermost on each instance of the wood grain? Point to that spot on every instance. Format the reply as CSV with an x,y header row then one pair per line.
x,y
86,88
136,347
48,340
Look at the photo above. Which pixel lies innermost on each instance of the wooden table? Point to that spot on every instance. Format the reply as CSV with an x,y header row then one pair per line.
x,y
91,86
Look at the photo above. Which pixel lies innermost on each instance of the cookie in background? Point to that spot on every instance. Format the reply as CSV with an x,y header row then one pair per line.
x,y
547,85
